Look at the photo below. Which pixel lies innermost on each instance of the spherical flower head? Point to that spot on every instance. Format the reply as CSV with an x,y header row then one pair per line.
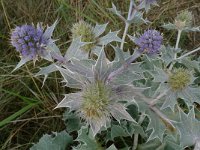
x,y
86,32
29,41
179,79
95,101
184,19
150,42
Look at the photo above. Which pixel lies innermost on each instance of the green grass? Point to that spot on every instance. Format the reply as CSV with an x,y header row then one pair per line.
x,y
27,108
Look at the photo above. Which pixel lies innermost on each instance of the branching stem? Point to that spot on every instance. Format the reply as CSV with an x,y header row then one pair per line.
x,y
153,102
189,53
176,48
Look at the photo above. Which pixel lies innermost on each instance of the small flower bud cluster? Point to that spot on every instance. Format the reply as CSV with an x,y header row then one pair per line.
x,y
29,41
150,42
86,32
184,19
179,79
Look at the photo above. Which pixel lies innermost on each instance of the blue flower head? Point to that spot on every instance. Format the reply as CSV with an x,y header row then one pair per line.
x,y
150,42
30,41
33,42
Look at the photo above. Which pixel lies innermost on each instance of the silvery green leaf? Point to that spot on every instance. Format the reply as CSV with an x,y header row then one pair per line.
x,y
147,63
146,4
89,142
190,64
192,29
72,121
167,54
116,12
72,79
57,141
74,50
101,66
189,128
72,101
170,101
46,71
112,147
119,112
118,131
55,53
132,38
190,95
138,19
96,50
49,31
99,29
169,26
119,55
83,67
159,75
127,77
22,62
126,92
108,38
157,126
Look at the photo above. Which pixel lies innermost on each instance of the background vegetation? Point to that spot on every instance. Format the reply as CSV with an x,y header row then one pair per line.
x,y
26,108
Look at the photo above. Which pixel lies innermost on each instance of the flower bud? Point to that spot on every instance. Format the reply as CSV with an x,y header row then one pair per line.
x,y
179,79
29,41
86,32
150,42
184,19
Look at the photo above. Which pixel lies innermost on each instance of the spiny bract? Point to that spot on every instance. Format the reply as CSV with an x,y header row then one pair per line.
x,y
95,100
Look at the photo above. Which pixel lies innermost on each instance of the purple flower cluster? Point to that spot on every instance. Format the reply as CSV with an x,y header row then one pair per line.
x,y
29,41
150,42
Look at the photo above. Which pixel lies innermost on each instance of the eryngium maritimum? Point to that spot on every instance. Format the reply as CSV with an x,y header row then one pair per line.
x,y
29,41
98,100
150,42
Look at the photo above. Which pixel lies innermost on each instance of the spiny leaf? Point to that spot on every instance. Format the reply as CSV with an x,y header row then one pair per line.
x,y
110,37
189,128
101,66
57,141
117,131
74,50
72,121
116,12
21,63
89,142
99,29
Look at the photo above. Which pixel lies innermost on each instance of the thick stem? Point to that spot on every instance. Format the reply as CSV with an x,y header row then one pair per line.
x,y
124,35
124,66
153,102
156,110
135,142
126,25
189,53
176,48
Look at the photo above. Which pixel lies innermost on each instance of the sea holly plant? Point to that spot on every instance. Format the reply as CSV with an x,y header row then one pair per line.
x,y
149,95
